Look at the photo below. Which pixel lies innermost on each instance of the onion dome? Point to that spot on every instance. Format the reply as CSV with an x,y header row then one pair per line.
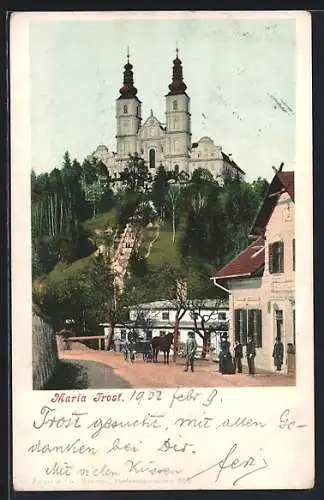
x,y
177,86
128,90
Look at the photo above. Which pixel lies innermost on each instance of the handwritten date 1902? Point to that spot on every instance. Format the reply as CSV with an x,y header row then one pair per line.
x,y
140,396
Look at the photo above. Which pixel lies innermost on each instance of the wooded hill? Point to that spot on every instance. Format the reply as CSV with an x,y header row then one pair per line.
x,y
183,231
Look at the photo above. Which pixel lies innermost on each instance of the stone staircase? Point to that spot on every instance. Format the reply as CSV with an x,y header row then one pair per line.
x,y
124,247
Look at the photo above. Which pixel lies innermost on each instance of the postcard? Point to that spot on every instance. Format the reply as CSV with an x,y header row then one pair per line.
x,y
161,246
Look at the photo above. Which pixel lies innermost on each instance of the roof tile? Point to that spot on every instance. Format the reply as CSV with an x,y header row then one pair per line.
x,y
247,263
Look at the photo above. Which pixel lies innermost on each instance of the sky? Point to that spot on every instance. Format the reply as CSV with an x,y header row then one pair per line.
x,y
240,75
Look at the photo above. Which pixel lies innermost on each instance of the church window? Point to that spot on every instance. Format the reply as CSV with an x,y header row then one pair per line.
x,y
152,158
125,108
175,105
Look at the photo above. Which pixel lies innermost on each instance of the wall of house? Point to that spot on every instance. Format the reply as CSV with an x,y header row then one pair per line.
x,y
44,358
281,227
272,292
248,294
279,288
157,315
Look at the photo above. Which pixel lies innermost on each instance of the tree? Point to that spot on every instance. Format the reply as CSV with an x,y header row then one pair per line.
x,y
135,177
95,183
173,196
81,293
203,234
159,191
204,318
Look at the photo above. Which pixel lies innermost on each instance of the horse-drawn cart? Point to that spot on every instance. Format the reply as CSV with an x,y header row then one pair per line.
x,y
132,349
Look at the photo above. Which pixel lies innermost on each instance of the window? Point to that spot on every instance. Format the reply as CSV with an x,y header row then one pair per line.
x,y
276,257
175,105
222,316
123,334
125,108
293,253
255,326
162,333
241,325
248,322
166,315
152,158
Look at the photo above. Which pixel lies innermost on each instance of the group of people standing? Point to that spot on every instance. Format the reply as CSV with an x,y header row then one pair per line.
x,y
230,364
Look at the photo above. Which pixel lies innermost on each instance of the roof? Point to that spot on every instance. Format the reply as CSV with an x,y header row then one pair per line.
x,y
281,182
249,263
232,163
287,179
170,305
205,138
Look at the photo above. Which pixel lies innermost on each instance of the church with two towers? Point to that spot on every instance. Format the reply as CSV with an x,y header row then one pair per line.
x,y
169,143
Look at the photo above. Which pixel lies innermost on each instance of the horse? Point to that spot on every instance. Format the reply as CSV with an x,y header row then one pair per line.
x,y
162,344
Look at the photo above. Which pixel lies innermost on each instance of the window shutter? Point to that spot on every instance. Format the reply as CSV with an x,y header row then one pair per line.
x,y
237,324
259,328
281,252
270,258
250,331
244,333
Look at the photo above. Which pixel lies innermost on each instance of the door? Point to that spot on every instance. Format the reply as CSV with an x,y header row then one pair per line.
x,y
279,325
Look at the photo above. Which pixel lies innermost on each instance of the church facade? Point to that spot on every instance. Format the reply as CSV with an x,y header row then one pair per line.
x,y
168,143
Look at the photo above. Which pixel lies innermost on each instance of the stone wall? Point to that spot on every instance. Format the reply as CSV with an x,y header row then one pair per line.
x,y
45,355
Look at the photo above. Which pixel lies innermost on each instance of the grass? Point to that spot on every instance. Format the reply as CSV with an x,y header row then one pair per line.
x,y
62,270
147,236
163,251
101,221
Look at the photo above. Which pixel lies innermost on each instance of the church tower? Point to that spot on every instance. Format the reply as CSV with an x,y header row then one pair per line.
x,y
178,126
128,116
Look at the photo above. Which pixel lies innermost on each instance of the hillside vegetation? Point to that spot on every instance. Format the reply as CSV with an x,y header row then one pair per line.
x,y
185,231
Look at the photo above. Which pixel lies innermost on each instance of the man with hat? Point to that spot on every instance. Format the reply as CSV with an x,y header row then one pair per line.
x,y
191,348
250,354
277,354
